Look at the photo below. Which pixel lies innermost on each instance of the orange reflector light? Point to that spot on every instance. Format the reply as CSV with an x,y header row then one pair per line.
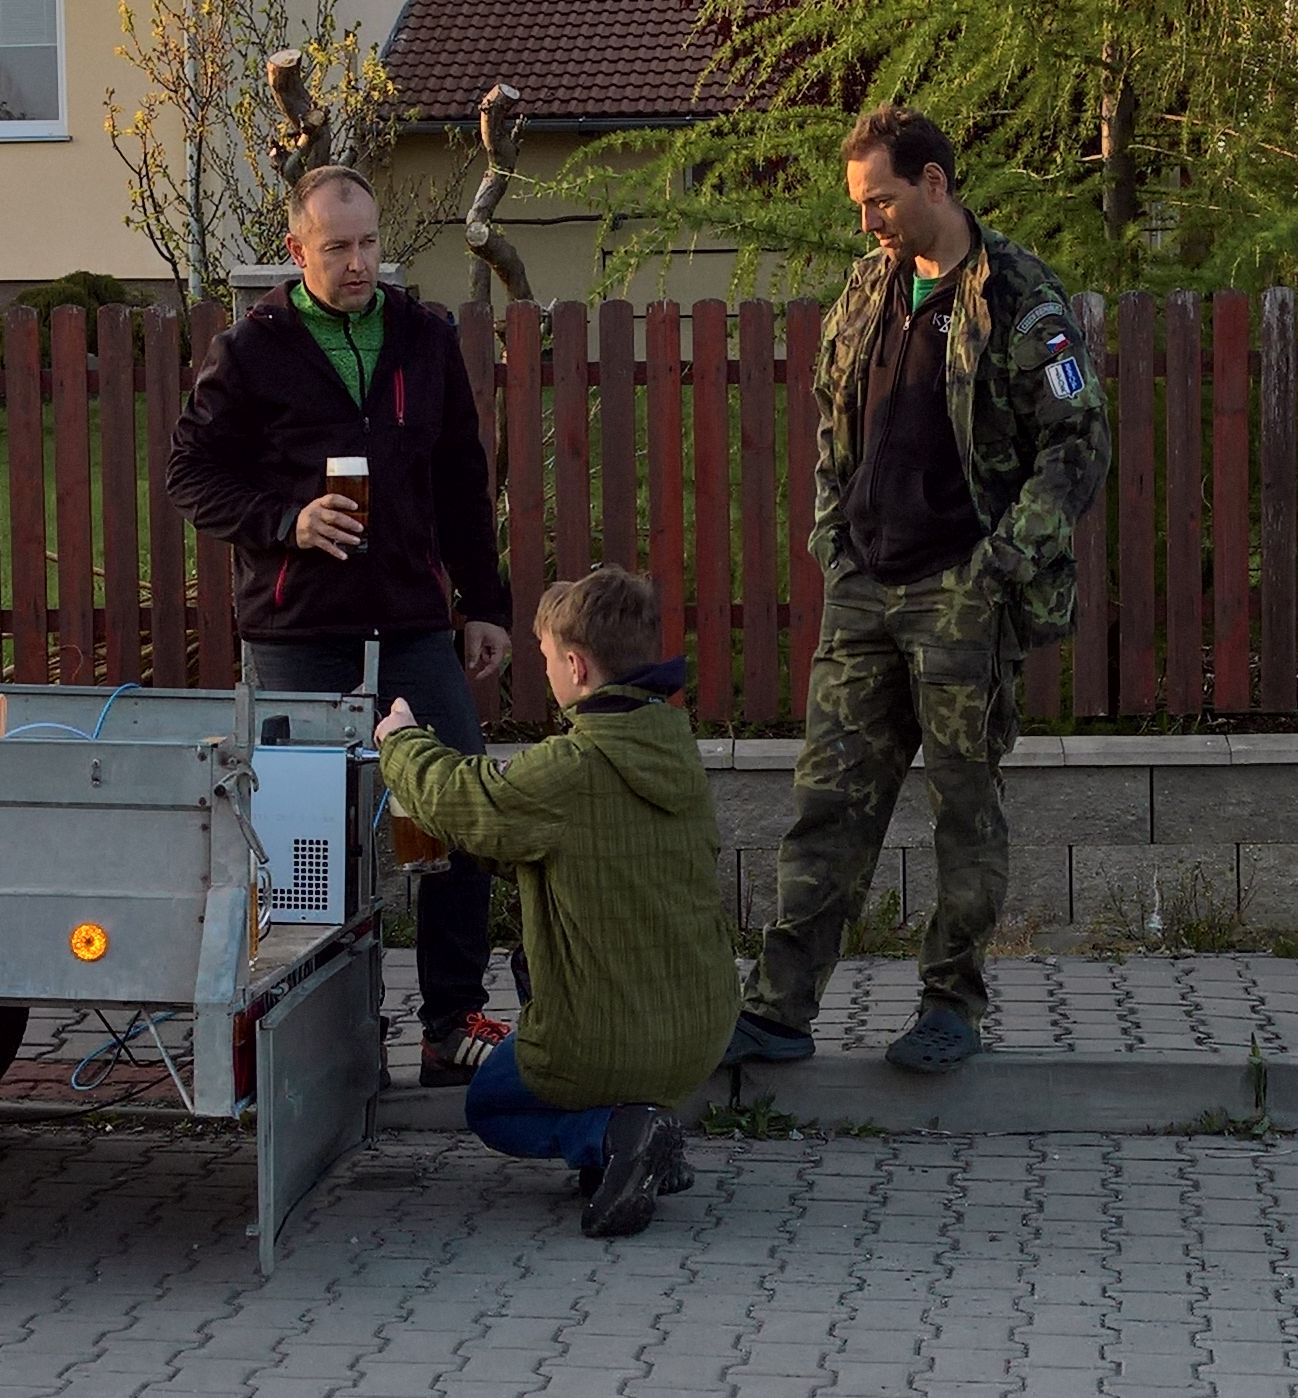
x,y
89,941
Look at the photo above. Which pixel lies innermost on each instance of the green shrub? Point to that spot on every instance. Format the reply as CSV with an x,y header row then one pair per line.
x,y
89,290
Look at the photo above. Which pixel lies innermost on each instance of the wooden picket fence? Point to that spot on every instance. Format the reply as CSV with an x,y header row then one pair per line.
x,y
698,466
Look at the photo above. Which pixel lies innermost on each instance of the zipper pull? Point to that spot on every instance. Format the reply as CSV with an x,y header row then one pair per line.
x,y
905,325
365,422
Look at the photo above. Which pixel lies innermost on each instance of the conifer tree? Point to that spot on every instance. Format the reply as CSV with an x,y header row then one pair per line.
x,y
1147,143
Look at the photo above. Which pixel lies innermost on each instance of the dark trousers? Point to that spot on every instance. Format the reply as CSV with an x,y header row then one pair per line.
x,y
451,944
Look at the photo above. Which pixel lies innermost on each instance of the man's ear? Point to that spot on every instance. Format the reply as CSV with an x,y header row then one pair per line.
x,y
934,177
294,249
578,666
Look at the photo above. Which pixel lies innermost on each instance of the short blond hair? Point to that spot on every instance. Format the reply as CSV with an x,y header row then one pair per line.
x,y
610,614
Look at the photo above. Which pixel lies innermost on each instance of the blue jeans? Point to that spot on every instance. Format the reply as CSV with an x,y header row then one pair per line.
x,y
451,944
514,1121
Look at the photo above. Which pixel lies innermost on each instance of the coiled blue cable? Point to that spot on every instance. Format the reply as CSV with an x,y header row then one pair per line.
x,y
116,1046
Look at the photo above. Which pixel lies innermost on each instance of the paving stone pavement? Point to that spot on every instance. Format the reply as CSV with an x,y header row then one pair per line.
x,y
1144,1043
1054,1265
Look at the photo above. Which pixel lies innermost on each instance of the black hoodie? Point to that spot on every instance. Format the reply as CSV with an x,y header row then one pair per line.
x,y
249,451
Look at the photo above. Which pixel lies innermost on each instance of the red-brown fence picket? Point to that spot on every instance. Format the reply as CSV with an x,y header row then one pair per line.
x,y
618,467
167,594
757,493
712,512
1136,533
671,458
664,424
526,487
28,621
1279,502
72,495
1184,505
121,530
1230,500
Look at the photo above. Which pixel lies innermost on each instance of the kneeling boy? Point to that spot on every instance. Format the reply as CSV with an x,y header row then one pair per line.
x,y
610,832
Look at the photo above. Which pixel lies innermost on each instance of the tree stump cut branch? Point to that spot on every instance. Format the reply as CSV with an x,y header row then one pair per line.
x,y
309,125
495,252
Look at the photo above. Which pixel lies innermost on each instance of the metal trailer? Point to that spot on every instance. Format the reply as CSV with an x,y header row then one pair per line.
x,y
129,874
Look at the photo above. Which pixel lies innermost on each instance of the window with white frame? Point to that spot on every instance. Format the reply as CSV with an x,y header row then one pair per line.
x,y
32,89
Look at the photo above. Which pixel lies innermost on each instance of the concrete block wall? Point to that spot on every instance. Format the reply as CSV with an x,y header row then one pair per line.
x,y
1091,820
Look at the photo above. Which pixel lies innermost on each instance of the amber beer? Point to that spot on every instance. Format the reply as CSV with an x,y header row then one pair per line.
x,y
414,849
350,476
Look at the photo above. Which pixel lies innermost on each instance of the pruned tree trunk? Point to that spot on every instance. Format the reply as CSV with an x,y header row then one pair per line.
x,y
493,251
309,125
1117,128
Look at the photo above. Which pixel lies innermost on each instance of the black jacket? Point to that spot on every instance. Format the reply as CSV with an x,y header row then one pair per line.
x,y
249,451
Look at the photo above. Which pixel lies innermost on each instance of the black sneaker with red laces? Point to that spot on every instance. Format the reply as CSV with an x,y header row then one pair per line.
x,y
453,1060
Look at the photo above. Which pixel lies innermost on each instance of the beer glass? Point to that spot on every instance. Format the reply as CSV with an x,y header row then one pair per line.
x,y
414,849
350,476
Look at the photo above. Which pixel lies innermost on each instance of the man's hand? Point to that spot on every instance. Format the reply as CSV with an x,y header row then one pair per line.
x,y
323,525
485,648
399,717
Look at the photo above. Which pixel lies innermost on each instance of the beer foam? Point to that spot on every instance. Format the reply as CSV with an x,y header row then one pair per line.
x,y
347,466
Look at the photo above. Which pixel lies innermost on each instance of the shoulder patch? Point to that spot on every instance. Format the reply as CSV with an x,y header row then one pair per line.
x,y
1039,313
1065,378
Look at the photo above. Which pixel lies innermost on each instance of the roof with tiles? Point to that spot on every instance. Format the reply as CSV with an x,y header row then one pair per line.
x,y
605,61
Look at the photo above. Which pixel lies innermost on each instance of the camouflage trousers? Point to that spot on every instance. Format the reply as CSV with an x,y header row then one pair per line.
x,y
931,663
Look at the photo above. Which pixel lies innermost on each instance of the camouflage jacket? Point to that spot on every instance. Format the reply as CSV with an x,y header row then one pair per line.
x,y
1027,408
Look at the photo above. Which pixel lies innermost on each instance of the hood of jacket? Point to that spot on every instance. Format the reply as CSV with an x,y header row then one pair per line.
x,y
643,737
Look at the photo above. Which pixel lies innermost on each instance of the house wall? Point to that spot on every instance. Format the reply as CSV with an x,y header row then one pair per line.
x,y
71,195
558,239
66,199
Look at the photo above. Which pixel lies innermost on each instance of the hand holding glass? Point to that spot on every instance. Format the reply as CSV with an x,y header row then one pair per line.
x,y
350,476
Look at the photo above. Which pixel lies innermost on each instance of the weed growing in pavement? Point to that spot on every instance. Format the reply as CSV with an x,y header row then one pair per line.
x,y
746,941
758,1122
398,929
1179,913
879,931
1219,1122
861,1130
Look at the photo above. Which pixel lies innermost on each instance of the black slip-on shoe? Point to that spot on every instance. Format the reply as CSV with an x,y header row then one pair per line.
x,y
751,1042
938,1041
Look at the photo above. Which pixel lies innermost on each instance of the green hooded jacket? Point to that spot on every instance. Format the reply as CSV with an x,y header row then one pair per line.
x,y
1026,405
610,832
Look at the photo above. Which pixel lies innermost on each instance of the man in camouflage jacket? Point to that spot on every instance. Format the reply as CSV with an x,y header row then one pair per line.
x,y
963,432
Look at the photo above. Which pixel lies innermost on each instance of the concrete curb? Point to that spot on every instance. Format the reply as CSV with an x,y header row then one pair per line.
x,y
998,1092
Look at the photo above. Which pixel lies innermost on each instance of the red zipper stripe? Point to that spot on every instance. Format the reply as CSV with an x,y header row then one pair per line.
x,y
399,389
279,583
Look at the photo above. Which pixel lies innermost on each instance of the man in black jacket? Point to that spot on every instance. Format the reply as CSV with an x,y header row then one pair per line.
x,y
336,365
